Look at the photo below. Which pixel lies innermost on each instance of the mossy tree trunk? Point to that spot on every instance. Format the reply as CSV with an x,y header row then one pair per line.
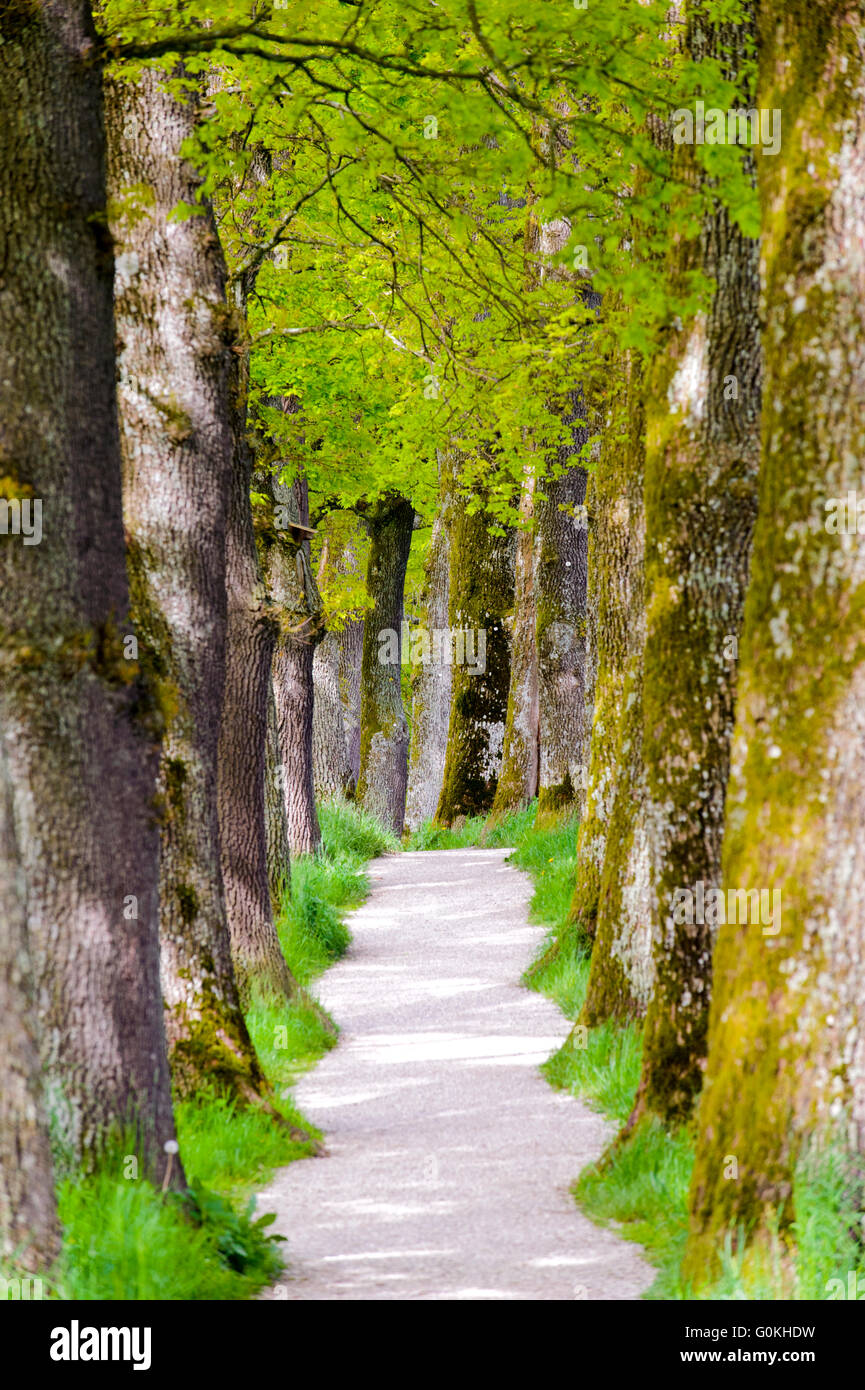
x,y
621,975
614,555
81,730
702,459
431,684
173,360
786,1052
518,779
481,600
29,1231
383,780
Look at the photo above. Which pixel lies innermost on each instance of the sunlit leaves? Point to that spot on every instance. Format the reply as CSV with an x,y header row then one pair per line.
x,y
367,160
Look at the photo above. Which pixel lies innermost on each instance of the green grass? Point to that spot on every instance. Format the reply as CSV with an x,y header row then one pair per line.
x,y
474,832
600,1065
642,1185
235,1149
325,885
122,1239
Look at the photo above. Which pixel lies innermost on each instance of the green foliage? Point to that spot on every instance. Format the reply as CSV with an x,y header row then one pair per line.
x,y
549,854
351,836
381,175
562,971
123,1240
242,1239
310,930
340,550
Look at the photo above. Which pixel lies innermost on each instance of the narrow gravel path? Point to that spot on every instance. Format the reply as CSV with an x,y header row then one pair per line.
x,y
449,1156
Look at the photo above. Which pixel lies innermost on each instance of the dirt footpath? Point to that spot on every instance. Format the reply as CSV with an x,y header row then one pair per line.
x,y
449,1156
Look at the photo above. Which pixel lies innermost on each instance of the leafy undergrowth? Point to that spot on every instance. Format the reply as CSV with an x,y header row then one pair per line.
x,y
642,1183
124,1239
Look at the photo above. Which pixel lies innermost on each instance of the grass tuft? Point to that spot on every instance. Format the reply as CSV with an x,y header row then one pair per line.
x,y
474,832
327,884
123,1240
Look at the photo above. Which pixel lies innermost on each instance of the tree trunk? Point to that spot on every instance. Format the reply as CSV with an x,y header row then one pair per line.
x,y
621,973
383,780
80,724
336,669
431,685
614,556
351,639
703,421
297,602
29,1233
331,768
561,525
786,1045
482,569
276,823
173,362
292,676
251,640
562,571
518,780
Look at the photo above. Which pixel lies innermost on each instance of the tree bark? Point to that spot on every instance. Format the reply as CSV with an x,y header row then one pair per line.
x,y
251,640
561,526
29,1232
431,685
786,1060
518,780
173,364
562,573
276,823
621,972
481,597
332,773
301,627
703,421
80,723
351,639
383,780
614,559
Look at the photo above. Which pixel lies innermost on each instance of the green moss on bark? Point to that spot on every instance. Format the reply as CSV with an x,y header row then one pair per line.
x,y
481,598
781,1068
